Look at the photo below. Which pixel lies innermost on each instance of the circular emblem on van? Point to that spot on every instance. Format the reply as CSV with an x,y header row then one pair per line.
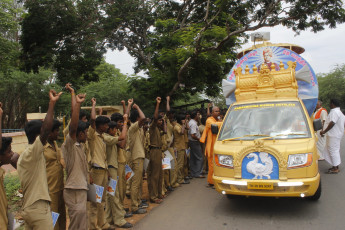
x,y
260,165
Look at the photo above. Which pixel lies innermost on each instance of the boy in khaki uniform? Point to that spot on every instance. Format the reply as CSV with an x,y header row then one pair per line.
x,y
155,165
114,210
136,141
55,176
31,169
77,173
99,172
5,158
180,147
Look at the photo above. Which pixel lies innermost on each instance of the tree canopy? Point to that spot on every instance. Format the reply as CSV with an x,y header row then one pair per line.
x,y
332,85
184,47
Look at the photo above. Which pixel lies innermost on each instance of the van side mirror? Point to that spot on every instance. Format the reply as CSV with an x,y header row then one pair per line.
x,y
317,124
214,128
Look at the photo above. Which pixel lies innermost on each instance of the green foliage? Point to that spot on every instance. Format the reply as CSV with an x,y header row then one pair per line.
x,y
12,185
110,89
332,85
22,93
65,35
9,49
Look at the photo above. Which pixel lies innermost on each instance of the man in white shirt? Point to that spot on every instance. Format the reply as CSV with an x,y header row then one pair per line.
x,y
335,131
196,156
320,113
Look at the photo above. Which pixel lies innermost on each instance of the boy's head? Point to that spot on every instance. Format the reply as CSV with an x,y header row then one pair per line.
x,y
102,124
32,130
53,136
180,118
118,119
6,150
83,116
112,128
82,131
134,115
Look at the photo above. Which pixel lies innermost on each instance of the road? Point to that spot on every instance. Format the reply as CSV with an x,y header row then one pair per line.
x,y
194,206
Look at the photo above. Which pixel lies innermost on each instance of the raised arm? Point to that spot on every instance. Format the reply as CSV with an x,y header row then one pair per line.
x,y
141,114
93,113
168,104
158,101
80,98
122,137
208,109
129,106
123,106
48,120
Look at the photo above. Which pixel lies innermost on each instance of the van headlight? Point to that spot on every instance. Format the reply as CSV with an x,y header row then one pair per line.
x,y
224,160
300,160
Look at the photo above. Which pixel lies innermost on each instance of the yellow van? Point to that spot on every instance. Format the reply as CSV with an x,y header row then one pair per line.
x,y
266,145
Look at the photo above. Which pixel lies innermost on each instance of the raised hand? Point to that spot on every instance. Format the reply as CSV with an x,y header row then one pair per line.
x,y
168,98
80,98
125,118
1,111
93,100
123,102
69,88
158,99
130,101
135,106
53,96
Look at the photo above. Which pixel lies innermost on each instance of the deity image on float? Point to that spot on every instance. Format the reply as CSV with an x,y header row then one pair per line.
x,y
268,59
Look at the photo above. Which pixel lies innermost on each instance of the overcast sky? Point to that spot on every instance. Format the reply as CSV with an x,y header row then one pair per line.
x,y
323,50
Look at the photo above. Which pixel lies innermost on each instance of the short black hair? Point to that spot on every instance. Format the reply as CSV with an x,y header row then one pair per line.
x,y
32,130
82,126
180,117
193,114
82,114
116,117
6,142
56,124
101,120
171,112
335,102
112,125
134,115
203,120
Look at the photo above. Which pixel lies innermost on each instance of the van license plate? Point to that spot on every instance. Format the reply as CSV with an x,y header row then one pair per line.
x,y
260,185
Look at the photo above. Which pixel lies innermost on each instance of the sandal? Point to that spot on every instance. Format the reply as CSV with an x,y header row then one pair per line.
x,y
333,171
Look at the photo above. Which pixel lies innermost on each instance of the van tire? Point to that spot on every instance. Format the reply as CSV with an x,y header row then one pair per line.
x,y
317,194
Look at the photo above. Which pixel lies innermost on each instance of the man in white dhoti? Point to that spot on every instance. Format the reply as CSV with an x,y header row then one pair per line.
x,y
320,113
335,131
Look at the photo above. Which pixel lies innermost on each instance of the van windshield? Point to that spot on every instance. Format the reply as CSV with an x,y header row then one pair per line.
x,y
281,120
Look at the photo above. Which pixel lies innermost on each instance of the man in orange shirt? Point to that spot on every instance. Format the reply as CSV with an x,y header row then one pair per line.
x,y
211,140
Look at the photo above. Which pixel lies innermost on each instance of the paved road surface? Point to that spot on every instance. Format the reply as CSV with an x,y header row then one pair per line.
x,y
194,206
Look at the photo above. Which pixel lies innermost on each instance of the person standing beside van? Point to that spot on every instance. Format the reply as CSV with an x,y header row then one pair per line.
x,y
335,131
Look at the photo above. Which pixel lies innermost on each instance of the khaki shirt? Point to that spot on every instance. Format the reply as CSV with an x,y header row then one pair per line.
x,y
97,148
179,142
155,135
136,140
112,150
121,153
170,132
32,174
76,164
53,167
3,201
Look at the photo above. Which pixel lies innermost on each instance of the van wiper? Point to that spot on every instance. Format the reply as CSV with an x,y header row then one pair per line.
x,y
284,134
249,135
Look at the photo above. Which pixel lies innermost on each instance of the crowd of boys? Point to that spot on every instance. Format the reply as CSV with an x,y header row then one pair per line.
x,y
98,149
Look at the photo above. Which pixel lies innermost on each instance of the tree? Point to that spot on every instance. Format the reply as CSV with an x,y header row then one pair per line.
x,y
332,85
111,87
9,26
189,46
65,35
22,93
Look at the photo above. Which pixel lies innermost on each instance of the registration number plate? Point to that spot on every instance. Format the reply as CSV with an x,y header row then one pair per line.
x,y
260,185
